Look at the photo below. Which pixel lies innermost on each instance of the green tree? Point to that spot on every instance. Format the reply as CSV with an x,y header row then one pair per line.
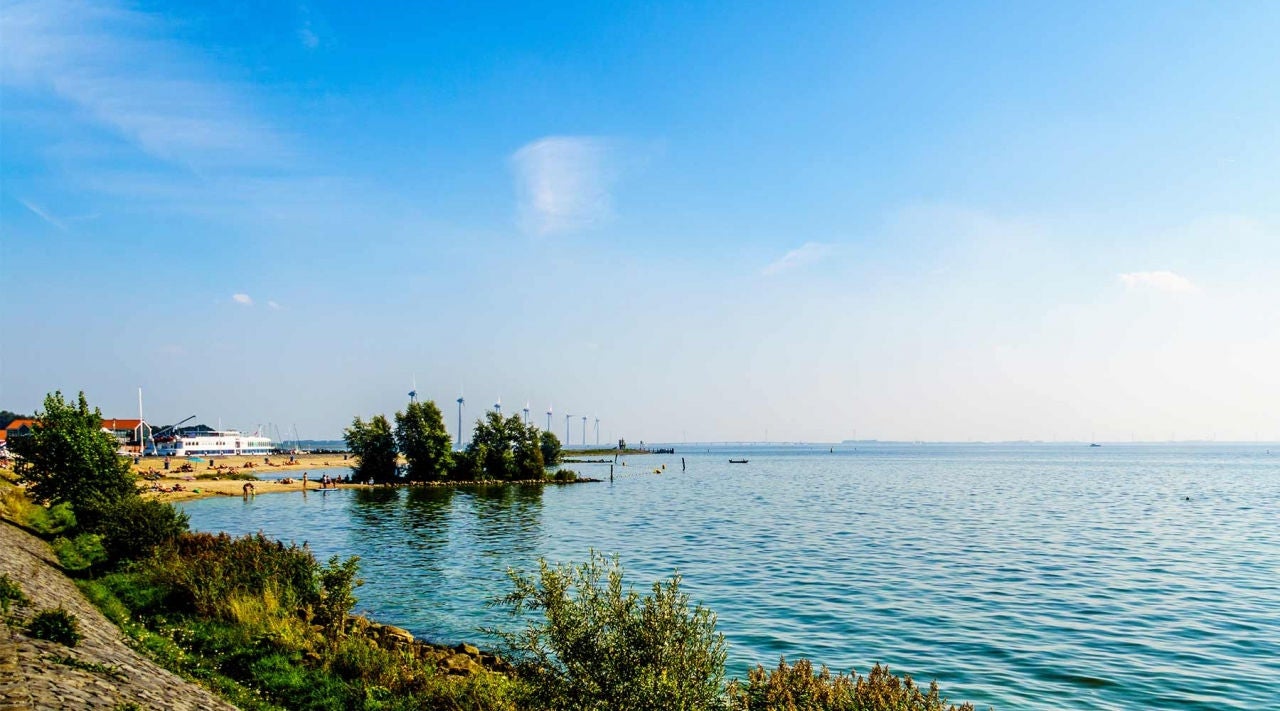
x,y
601,646
507,448
68,458
492,442
374,447
527,452
550,448
425,442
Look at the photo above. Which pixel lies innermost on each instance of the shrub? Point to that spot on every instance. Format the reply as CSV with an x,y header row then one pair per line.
x,y
10,593
134,527
50,521
799,688
106,601
81,552
56,626
600,646
337,583
205,571
565,475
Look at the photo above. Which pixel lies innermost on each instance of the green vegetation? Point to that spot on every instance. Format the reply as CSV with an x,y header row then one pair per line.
x,y
79,553
10,594
134,527
374,447
56,626
68,458
268,627
551,450
799,687
501,448
507,449
422,437
93,667
602,646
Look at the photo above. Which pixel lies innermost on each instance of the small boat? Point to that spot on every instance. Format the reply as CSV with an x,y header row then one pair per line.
x,y
737,461
1094,444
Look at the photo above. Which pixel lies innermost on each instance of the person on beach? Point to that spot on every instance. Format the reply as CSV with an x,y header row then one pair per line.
x,y
304,480
249,488
166,463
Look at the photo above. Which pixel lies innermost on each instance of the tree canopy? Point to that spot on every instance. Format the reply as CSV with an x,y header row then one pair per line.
x,y
374,447
425,441
68,458
506,448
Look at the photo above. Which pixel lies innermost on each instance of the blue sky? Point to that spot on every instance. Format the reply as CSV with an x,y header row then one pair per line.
x,y
711,221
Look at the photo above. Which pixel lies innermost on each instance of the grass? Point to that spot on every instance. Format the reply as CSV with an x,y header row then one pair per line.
x,y
93,667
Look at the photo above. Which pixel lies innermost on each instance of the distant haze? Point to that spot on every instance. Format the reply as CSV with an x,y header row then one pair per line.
x,y
700,223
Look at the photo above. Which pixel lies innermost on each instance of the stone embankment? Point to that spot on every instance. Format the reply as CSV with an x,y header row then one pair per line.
x,y
100,672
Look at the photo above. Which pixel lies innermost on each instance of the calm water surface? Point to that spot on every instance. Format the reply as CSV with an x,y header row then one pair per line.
x,y
1023,577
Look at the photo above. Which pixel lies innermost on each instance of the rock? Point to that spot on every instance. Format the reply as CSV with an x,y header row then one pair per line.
x,y
468,650
460,665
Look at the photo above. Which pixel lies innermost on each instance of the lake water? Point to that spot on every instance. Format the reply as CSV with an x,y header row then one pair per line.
x,y
1018,576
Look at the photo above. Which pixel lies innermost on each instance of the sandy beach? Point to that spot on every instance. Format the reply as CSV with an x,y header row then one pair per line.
x,y
162,489
251,464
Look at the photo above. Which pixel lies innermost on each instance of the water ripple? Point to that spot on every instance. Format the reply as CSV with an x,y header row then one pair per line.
x,y
1035,577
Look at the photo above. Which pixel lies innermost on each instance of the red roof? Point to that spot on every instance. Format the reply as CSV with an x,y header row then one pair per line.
x,y
18,423
121,424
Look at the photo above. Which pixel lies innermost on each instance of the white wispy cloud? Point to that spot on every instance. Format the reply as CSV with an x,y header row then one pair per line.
x,y
308,38
805,254
43,214
1165,281
563,183
274,306
113,63
242,299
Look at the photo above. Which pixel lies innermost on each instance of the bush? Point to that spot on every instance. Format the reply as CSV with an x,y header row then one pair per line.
x,y
799,688
10,593
600,646
204,572
134,527
80,553
49,521
337,583
565,475
56,626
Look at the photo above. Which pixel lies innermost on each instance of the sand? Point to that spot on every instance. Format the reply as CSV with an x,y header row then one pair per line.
x,y
202,488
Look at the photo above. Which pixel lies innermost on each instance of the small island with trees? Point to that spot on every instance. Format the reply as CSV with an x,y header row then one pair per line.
x,y
502,449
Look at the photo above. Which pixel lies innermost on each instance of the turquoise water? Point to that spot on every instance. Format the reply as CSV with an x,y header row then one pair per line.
x,y
1023,577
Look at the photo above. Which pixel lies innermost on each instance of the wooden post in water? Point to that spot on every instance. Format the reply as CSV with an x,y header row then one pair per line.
x,y
610,473
681,463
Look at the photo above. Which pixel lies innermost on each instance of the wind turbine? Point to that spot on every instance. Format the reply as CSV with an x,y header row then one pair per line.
x,y
497,406
597,430
413,394
566,428
584,430
461,401
526,413
548,418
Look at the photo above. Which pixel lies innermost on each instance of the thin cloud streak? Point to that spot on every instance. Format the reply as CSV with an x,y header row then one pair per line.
x,y
808,253
110,62
242,299
42,214
563,182
1165,281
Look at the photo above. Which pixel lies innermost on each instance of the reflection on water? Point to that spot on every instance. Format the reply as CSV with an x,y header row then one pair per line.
x,y
1023,577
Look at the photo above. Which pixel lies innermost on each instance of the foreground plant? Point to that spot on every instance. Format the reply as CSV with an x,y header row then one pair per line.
x,y
799,688
600,645
55,626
